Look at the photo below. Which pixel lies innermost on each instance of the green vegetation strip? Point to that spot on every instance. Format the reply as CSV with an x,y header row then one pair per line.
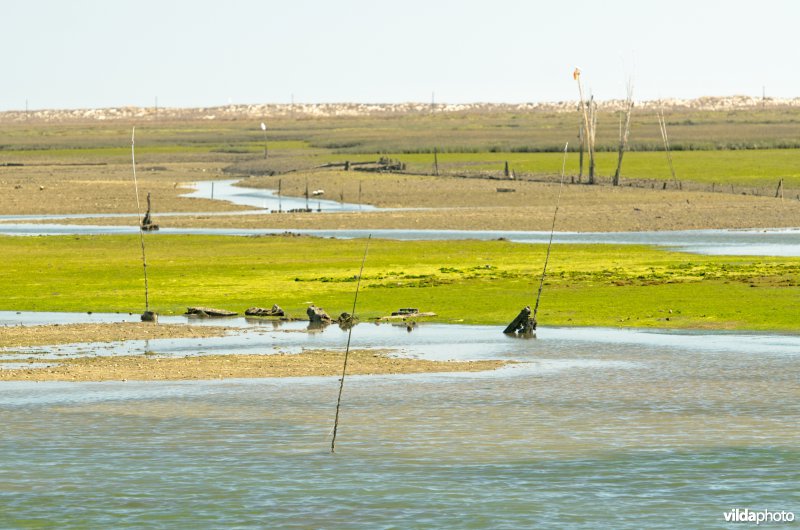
x,y
480,282
723,168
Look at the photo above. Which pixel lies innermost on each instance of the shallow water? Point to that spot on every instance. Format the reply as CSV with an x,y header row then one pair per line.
x,y
775,242
225,190
604,428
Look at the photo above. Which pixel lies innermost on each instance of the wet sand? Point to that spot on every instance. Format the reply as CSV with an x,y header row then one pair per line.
x,y
20,336
308,363
155,367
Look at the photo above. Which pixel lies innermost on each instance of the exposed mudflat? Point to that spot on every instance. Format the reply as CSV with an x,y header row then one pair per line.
x,y
308,363
419,202
16,336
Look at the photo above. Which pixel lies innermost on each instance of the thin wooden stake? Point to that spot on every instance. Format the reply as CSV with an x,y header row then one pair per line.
x,y
347,349
552,230
139,213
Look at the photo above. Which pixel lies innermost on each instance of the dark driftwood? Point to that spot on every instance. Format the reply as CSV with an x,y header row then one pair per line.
x,y
210,312
147,223
150,316
523,324
317,315
276,311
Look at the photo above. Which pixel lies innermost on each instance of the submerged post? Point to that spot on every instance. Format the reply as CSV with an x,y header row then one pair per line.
x,y
523,324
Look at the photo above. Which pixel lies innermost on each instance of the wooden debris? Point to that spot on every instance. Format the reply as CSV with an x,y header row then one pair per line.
x,y
204,312
276,311
317,315
398,315
346,320
150,316
147,223
506,190
523,325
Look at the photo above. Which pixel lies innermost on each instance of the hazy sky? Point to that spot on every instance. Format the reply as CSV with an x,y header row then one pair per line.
x,y
92,53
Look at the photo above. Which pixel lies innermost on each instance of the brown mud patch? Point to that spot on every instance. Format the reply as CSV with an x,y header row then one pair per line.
x,y
419,202
20,336
84,189
308,363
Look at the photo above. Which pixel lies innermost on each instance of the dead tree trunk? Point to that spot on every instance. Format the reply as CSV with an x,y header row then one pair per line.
x,y
523,325
624,131
591,136
580,158
147,222
779,191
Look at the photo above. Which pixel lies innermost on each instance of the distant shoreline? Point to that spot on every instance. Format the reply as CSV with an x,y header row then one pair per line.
x,y
329,110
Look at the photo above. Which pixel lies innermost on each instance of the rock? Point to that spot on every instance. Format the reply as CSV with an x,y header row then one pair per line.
x,y
276,311
209,312
318,315
346,320
150,316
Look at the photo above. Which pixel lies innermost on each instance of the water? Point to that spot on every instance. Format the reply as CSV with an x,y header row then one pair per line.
x,y
226,190
774,242
604,428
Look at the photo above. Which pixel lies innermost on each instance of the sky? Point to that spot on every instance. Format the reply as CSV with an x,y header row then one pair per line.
x,y
64,54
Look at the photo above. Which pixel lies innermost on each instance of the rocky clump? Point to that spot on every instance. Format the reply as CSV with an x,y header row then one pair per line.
x,y
205,312
317,315
276,311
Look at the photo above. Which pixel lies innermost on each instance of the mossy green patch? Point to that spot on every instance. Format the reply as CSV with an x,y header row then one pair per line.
x,y
483,282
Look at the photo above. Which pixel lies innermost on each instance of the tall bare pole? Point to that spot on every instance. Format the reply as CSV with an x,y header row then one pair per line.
x,y
552,231
588,123
264,128
347,349
582,140
139,213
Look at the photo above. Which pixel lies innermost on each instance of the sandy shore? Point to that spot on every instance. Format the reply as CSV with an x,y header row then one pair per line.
x,y
155,367
17,336
308,363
